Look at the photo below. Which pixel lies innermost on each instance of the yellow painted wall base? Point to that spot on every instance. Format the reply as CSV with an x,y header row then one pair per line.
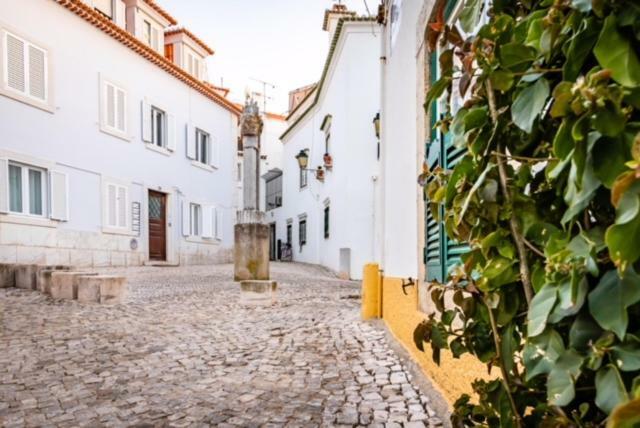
x,y
454,376
371,291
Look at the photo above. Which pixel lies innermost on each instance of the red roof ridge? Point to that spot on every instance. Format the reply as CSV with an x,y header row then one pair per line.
x,y
155,6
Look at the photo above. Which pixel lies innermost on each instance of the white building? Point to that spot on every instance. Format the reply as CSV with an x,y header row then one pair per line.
x,y
331,221
113,149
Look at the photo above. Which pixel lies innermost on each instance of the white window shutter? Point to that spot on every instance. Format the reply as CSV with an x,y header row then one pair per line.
x,y
171,132
59,188
191,141
186,218
208,216
111,204
123,206
214,156
4,185
146,121
120,14
155,39
219,223
15,63
37,73
110,105
121,99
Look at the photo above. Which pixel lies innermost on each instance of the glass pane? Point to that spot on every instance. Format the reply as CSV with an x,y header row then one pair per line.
x,y
35,192
155,208
15,188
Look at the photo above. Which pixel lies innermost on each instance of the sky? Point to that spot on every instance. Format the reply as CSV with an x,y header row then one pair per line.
x,y
277,41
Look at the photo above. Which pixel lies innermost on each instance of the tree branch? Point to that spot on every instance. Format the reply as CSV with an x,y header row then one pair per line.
x,y
505,376
525,273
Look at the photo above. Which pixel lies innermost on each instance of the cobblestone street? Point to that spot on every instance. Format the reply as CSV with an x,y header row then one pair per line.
x,y
182,351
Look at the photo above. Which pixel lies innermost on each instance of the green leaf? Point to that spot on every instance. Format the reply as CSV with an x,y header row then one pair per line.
x,y
509,344
541,352
470,15
580,187
610,390
516,56
626,356
612,154
580,48
529,104
561,380
626,415
584,332
474,189
541,306
501,80
616,53
622,237
583,6
562,98
609,120
436,90
571,298
609,301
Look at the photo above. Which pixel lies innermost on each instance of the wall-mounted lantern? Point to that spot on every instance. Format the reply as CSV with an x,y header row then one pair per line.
x,y
376,124
303,163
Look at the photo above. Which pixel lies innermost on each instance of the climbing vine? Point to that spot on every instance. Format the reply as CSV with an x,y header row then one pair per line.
x,y
548,198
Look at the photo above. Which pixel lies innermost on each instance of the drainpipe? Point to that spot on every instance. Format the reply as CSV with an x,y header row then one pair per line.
x,y
383,145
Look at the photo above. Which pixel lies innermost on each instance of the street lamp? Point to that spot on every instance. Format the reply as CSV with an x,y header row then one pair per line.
x,y
303,163
303,159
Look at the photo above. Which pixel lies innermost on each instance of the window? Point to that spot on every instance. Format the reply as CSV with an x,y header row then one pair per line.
x,y
326,128
158,127
117,204
114,102
303,178
239,172
274,193
146,32
27,190
326,222
196,219
302,232
193,65
202,146
289,233
25,68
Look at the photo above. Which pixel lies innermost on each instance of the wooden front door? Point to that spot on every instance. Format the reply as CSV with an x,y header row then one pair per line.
x,y
157,226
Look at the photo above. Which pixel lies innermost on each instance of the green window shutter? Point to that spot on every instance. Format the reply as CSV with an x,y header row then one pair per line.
x,y
452,248
433,228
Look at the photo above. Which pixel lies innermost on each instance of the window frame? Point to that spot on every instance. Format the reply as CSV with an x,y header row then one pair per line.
x,y
117,226
157,112
147,28
25,96
26,187
195,212
199,134
269,191
104,109
302,237
304,178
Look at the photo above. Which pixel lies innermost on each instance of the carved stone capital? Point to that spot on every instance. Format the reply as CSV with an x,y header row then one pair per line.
x,y
250,122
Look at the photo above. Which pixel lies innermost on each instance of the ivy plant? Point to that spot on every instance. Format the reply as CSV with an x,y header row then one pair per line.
x,y
547,196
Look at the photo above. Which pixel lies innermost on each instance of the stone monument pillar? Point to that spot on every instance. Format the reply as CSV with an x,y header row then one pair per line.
x,y
251,252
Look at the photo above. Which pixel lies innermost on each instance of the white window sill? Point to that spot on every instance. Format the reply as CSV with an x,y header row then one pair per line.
x,y
115,133
118,231
201,240
158,149
202,166
25,99
28,220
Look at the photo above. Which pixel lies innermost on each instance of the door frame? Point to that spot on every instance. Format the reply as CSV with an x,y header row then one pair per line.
x,y
171,197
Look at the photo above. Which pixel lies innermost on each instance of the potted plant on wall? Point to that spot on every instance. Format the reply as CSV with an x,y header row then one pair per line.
x,y
328,161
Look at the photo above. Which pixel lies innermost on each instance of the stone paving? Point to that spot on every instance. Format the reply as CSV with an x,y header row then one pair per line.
x,y
183,352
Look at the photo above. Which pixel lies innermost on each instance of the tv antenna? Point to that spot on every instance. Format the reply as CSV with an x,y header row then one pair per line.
x,y
265,97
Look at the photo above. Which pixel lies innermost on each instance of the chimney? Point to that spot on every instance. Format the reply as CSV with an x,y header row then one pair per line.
x,y
333,15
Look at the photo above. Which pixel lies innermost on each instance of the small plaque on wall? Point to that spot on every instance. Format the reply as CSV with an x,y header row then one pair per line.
x,y
135,221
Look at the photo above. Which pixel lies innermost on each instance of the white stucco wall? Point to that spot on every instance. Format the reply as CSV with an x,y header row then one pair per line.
x,y
351,95
70,139
402,141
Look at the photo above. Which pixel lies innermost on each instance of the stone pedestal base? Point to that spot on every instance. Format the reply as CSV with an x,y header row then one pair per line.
x,y
251,251
258,293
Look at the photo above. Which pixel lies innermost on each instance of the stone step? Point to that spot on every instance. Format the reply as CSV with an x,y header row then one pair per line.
x,y
258,293
105,289
7,275
43,277
64,285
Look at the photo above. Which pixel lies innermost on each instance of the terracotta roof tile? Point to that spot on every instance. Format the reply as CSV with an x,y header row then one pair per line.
x,y
155,6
